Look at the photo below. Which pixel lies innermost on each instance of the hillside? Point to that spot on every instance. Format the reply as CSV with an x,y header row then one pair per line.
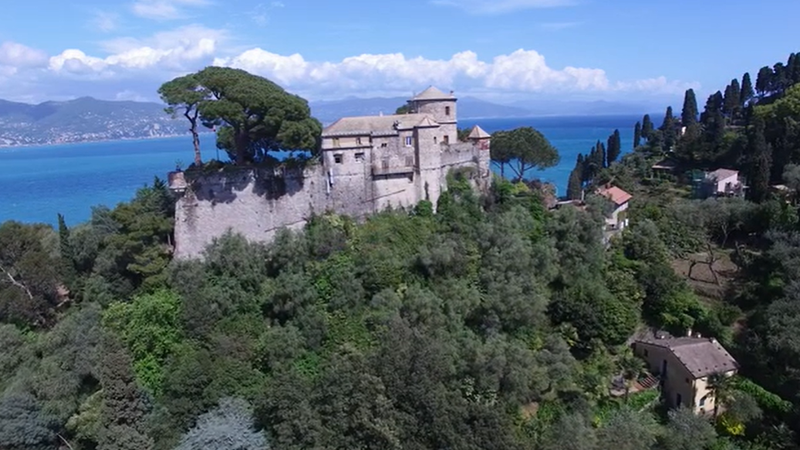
x,y
83,119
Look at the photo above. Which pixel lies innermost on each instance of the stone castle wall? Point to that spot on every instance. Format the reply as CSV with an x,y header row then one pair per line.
x,y
257,203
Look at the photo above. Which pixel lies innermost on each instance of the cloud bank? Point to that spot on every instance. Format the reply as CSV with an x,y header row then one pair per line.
x,y
134,68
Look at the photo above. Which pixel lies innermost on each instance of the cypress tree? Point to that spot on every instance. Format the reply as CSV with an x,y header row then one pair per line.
x,y
614,147
779,78
67,253
713,107
601,154
647,126
689,112
574,185
747,91
731,99
668,120
637,135
760,162
794,68
764,81
668,129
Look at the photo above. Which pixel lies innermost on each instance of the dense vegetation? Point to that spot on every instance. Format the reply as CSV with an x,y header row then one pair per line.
x,y
492,324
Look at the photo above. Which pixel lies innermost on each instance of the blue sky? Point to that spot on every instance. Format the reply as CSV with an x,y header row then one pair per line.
x,y
502,50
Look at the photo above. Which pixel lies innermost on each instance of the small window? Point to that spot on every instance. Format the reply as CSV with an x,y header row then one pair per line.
x,y
645,353
358,141
435,139
688,381
446,110
335,142
359,157
446,139
384,145
409,141
338,158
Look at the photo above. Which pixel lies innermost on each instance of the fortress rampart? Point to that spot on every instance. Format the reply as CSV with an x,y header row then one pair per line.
x,y
367,165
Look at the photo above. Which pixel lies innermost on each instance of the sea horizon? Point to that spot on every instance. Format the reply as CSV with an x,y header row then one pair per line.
x,y
38,182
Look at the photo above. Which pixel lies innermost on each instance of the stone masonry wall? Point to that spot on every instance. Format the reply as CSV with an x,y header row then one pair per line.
x,y
257,203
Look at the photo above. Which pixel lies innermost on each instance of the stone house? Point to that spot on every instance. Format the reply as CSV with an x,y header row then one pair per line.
x,y
684,365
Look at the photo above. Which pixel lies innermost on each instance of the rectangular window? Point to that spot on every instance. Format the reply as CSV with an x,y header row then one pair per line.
x,y
435,140
335,142
409,141
446,110
446,139
359,157
338,158
384,145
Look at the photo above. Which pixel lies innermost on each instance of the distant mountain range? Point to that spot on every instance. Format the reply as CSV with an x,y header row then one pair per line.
x,y
88,119
84,119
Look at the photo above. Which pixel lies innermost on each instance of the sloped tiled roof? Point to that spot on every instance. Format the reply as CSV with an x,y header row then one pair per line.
x,y
722,174
700,356
375,124
433,93
615,194
427,122
478,133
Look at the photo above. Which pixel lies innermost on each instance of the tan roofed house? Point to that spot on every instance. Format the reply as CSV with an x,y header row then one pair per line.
x,y
617,220
684,365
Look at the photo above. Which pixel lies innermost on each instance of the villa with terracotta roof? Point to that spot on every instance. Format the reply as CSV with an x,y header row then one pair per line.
x,y
684,365
617,220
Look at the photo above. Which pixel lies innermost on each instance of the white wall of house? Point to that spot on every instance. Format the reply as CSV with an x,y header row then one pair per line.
x,y
733,180
615,220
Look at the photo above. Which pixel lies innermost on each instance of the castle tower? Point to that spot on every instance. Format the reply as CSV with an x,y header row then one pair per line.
x,y
442,107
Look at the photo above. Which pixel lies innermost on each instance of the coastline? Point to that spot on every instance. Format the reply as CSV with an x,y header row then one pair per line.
x,y
93,141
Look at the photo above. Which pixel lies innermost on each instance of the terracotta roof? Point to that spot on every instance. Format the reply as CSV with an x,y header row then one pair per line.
x,y
615,194
722,174
433,94
700,356
375,124
478,133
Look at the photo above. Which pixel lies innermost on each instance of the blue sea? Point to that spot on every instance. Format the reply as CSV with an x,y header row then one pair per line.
x,y
37,183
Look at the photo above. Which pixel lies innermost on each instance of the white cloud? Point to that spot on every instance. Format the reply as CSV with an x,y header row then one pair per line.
x,y
523,71
131,96
164,9
15,56
175,50
502,6
130,68
105,21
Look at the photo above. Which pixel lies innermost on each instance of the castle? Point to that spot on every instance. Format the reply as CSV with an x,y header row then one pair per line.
x,y
367,164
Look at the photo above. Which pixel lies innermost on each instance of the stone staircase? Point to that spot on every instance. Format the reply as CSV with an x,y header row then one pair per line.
x,y
646,383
